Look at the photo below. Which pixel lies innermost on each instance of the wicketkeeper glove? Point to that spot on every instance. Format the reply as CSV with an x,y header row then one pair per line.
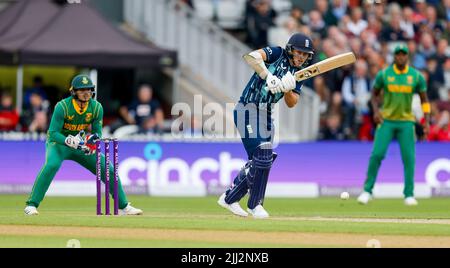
x,y
91,143
75,142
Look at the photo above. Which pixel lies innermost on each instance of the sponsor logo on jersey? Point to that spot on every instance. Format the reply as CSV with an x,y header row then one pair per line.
x,y
75,127
88,117
399,89
70,117
391,78
409,79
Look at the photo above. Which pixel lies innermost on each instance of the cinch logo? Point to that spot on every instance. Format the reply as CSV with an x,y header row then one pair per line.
x,y
197,175
434,169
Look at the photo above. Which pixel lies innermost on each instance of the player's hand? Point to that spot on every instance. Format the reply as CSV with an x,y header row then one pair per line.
x,y
91,143
378,118
75,142
288,82
274,84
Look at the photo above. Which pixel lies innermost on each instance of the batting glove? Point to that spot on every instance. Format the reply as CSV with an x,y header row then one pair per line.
x,y
273,84
288,82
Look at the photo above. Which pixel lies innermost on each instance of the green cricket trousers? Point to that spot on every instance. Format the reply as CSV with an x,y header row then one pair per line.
x,y
404,132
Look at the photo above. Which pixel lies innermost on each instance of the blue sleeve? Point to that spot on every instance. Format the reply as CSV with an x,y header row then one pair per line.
x,y
155,104
273,53
298,87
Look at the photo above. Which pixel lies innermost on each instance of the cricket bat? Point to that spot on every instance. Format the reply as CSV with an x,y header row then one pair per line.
x,y
325,66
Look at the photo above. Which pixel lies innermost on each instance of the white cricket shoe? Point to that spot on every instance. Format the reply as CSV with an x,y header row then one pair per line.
x,y
364,198
258,212
411,201
30,210
129,210
235,208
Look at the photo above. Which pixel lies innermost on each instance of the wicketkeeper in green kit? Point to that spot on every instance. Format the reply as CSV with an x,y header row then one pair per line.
x,y
71,118
398,82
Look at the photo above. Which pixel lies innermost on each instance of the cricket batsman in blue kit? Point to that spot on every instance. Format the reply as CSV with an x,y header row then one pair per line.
x,y
273,79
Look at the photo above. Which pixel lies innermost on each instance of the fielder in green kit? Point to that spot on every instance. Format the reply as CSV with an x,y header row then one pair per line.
x,y
398,83
71,118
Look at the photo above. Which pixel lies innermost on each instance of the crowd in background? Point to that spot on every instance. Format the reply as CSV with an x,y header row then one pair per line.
x,y
370,31
144,111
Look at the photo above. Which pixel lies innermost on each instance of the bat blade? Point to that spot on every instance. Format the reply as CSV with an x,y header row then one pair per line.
x,y
325,66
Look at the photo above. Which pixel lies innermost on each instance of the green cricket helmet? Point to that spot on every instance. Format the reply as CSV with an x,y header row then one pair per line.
x,y
82,82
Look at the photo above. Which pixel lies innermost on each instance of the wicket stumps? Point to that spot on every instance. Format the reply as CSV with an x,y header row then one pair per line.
x,y
107,142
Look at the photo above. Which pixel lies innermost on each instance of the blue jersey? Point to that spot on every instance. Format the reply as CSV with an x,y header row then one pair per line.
x,y
278,64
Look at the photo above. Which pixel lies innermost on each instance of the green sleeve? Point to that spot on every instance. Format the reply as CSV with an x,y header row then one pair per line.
x,y
56,125
379,80
421,84
97,124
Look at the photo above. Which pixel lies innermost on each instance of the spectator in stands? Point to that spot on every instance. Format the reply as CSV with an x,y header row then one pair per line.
x,y
356,24
432,22
441,130
407,22
332,130
298,15
442,51
37,87
356,96
435,78
393,32
374,26
35,117
339,8
445,94
417,60
444,10
145,112
444,103
188,2
327,15
8,114
420,11
316,23
259,22
324,94
279,36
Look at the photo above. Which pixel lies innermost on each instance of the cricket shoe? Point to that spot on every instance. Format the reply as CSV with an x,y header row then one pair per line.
x,y
235,208
411,201
30,210
258,212
129,210
364,198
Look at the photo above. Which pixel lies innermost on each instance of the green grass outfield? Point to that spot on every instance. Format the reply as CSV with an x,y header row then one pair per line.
x,y
200,222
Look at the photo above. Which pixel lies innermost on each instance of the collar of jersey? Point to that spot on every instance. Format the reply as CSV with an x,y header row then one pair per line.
x,y
77,108
397,71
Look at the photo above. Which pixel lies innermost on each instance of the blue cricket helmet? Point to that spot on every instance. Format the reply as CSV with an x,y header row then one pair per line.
x,y
302,43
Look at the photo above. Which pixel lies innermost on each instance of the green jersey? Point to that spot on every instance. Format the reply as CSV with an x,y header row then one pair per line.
x,y
69,119
398,89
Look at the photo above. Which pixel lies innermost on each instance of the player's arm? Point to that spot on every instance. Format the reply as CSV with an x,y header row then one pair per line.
x,y
56,125
375,99
257,61
291,98
426,107
97,124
